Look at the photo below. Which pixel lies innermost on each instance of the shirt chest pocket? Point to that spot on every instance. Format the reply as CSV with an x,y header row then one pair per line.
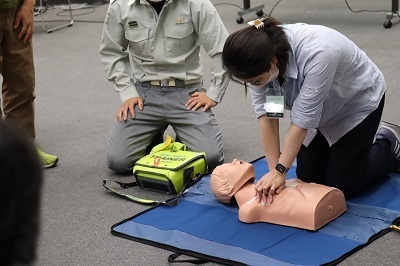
x,y
139,41
179,39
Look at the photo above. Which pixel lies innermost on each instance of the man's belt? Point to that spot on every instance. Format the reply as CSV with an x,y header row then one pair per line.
x,y
173,82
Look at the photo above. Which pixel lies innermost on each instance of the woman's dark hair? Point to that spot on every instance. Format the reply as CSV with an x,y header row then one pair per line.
x,y
248,52
21,181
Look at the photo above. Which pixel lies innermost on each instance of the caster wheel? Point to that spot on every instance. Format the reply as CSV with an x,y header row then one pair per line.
x,y
387,24
260,13
239,20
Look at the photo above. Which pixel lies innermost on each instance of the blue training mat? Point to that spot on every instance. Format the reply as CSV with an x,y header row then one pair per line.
x,y
201,226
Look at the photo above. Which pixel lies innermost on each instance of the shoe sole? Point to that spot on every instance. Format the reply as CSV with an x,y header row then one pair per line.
x,y
395,129
45,166
390,126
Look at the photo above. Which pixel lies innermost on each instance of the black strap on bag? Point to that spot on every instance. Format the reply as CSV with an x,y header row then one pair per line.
x,y
169,202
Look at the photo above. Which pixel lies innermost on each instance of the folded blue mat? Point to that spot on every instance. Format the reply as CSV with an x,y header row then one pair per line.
x,y
201,226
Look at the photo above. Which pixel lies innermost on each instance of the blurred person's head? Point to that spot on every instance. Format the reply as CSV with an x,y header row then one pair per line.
x,y
21,181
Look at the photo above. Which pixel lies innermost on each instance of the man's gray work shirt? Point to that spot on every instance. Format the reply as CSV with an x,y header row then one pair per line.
x,y
332,85
162,46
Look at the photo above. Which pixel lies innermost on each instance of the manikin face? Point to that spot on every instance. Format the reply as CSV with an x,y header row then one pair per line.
x,y
235,172
228,178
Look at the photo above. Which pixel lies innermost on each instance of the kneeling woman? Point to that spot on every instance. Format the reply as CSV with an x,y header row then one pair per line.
x,y
335,95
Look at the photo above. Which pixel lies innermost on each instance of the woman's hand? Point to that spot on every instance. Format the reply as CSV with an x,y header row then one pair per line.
x,y
270,184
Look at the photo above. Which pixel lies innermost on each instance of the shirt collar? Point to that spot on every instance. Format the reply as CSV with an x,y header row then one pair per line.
x,y
131,2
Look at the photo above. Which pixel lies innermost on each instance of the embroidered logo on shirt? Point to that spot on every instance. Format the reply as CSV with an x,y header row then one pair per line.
x,y
133,24
179,21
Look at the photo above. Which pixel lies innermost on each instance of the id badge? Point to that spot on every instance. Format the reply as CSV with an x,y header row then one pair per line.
x,y
275,106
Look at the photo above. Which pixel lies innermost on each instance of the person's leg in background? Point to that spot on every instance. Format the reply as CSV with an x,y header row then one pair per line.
x,y
129,141
17,70
198,130
132,139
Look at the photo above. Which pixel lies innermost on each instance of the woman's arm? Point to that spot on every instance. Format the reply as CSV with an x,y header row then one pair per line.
x,y
291,147
274,181
270,140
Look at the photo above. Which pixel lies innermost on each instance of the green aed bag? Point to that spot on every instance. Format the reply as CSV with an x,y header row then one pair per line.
x,y
168,167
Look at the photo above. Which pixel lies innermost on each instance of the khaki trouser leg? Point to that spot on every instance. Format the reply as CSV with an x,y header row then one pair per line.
x,y
17,69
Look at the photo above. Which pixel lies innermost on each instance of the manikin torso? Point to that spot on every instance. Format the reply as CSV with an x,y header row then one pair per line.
x,y
300,204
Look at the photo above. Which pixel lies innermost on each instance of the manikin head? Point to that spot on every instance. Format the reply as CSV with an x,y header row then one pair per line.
x,y
228,178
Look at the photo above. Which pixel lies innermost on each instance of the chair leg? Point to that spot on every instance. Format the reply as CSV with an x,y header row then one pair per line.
x,y
59,27
395,11
247,9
